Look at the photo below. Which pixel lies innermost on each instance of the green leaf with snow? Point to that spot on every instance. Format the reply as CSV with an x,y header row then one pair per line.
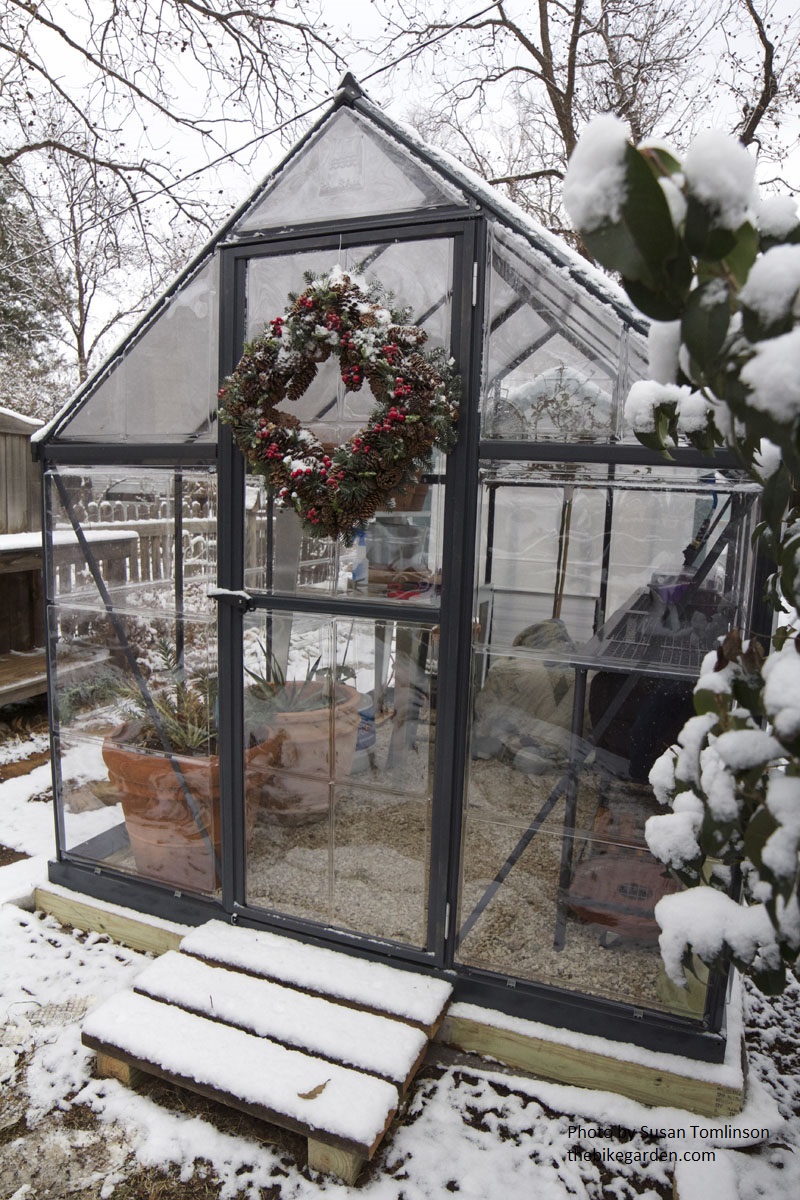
x,y
706,701
660,161
775,499
738,261
771,980
642,244
757,328
704,325
705,239
791,238
788,554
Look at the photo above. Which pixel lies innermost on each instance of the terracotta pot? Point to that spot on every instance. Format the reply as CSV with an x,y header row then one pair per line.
x,y
298,788
171,807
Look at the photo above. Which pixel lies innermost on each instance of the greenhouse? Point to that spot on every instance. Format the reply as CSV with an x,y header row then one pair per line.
x,y
424,738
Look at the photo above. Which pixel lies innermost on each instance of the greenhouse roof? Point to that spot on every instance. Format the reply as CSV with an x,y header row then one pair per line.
x,y
356,167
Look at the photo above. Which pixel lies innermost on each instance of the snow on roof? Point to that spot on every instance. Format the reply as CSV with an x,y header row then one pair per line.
x,y
555,248
559,252
14,422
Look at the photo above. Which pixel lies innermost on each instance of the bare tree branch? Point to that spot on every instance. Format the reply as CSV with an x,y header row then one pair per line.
x,y
513,87
769,88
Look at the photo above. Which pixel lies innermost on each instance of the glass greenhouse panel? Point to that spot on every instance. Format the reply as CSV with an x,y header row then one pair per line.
x,y
601,590
136,709
650,566
381,856
597,937
339,735
349,169
414,275
145,536
398,557
400,554
163,387
555,366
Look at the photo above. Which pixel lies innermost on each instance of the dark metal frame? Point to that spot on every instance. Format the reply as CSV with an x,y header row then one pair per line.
x,y
460,471
468,226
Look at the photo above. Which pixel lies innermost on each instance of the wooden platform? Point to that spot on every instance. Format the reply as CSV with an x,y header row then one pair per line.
x,y
22,676
591,1061
712,1090
311,1040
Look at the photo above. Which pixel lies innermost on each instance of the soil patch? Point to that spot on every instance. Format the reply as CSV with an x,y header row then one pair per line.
x,y
13,770
8,856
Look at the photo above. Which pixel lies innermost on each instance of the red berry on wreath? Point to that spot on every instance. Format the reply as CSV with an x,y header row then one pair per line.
x,y
267,376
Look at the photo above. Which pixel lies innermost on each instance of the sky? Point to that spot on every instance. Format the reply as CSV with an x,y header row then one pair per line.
x,y
223,186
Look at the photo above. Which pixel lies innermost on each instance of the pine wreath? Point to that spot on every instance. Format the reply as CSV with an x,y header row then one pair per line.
x,y
335,492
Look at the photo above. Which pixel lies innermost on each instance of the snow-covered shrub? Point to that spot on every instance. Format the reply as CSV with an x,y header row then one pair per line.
x,y
718,272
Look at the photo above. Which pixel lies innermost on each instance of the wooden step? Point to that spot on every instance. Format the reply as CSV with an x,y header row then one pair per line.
x,y
377,1045
312,1040
419,1000
341,1108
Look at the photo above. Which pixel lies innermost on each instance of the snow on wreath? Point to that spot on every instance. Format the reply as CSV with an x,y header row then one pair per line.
x,y
336,490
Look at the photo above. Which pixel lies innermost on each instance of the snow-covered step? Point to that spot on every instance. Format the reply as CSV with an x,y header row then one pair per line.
x,y
377,1045
417,999
310,1039
343,1112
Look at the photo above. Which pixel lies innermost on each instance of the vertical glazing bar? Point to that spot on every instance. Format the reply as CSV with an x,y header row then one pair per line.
x,y
602,599
458,567
576,757
51,637
178,569
230,574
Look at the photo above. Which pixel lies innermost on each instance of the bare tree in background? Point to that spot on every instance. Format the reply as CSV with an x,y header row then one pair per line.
x,y
109,113
105,260
514,82
32,380
133,78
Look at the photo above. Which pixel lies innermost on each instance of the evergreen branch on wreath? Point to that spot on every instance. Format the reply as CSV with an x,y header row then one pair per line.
x,y
335,492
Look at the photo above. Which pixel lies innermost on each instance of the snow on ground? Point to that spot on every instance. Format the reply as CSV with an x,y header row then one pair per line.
x,y
470,1129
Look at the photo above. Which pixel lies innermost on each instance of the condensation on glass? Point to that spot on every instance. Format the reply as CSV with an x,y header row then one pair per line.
x,y
163,386
600,591
348,170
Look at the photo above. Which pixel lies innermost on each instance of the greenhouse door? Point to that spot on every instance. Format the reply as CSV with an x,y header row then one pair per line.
x,y
345,698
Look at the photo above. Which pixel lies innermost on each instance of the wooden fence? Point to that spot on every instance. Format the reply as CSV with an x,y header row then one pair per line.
x,y
136,543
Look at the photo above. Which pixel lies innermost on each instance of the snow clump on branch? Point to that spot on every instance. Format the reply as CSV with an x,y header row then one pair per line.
x,y
594,189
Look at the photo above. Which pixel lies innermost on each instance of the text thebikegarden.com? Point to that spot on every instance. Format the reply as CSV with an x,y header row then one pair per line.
x,y
618,1133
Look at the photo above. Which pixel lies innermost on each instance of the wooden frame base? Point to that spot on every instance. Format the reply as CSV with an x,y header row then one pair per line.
x,y
545,1058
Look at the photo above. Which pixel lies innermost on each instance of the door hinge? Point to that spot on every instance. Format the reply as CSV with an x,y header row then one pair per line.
x,y
474,283
447,921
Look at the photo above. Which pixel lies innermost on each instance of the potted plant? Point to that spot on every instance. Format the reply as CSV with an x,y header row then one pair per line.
x,y
163,764
309,726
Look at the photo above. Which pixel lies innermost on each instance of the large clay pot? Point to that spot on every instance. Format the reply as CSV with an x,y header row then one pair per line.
x,y
299,785
171,807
